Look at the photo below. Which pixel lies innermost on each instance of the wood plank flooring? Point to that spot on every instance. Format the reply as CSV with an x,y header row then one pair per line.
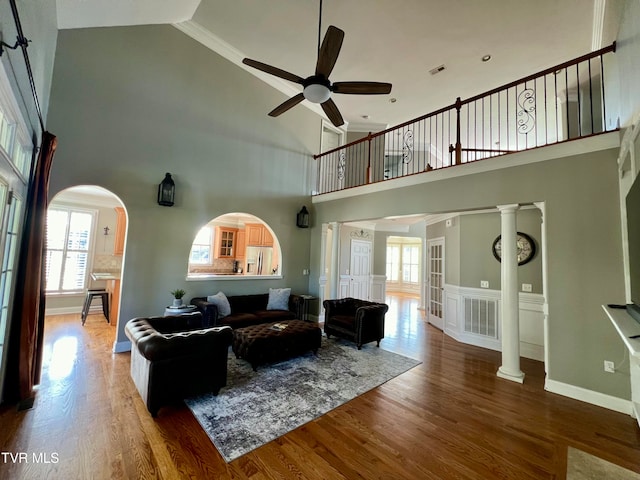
x,y
449,418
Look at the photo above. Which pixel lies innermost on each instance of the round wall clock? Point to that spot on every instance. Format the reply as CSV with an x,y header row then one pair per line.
x,y
524,243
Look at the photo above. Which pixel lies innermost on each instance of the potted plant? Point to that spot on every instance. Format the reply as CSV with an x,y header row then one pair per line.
x,y
178,293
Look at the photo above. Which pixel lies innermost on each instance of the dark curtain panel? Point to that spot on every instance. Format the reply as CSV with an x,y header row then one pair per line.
x,y
27,320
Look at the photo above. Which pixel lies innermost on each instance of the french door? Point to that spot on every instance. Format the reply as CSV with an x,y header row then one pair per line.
x,y
16,152
435,282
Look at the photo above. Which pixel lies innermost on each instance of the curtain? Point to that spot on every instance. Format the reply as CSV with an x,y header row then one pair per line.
x,y
27,321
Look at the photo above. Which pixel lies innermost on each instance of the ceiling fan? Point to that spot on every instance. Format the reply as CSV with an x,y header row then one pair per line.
x,y
317,88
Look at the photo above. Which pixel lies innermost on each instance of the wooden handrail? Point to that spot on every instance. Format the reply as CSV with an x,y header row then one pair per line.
x,y
459,102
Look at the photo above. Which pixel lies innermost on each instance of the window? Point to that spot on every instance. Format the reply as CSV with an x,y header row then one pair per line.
x,y
410,263
404,262
201,248
393,263
68,245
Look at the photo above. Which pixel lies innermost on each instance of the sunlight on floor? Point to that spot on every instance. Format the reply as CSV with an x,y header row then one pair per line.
x,y
62,358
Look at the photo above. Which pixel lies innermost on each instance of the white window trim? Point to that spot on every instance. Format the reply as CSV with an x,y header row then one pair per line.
x,y
90,250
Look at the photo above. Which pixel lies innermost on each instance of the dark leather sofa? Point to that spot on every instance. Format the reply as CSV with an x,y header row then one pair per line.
x,y
358,320
174,357
248,310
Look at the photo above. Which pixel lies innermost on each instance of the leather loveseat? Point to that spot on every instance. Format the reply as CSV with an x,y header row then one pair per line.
x,y
358,320
174,357
248,310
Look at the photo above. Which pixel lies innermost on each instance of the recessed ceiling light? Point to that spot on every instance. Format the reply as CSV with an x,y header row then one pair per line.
x,y
366,117
392,100
486,58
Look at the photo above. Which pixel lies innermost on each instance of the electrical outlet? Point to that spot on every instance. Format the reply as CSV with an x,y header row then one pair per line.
x,y
609,366
526,287
484,283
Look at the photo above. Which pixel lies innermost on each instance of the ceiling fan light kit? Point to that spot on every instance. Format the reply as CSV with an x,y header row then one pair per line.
x,y
317,88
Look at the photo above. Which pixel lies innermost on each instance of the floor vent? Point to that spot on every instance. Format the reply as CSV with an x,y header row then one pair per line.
x,y
481,316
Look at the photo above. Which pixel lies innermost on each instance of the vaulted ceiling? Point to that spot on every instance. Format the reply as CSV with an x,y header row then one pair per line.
x,y
389,41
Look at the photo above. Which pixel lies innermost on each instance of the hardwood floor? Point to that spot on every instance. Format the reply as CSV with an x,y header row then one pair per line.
x,y
450,417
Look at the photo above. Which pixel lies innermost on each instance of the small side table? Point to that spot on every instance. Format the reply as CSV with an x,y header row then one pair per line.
x,y
179,310
304,308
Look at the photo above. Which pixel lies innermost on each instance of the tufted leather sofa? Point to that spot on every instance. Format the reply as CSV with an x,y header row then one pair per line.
x,y
248,310
358,320
173,357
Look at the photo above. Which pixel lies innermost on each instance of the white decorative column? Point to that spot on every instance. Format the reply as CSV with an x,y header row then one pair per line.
x,y
510,368
335,250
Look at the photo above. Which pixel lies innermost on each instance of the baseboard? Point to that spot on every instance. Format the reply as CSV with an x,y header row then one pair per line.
x,y
589,396
120,347
72,310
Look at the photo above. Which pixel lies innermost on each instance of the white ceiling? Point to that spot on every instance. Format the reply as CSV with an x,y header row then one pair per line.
x,y
389,41
395,41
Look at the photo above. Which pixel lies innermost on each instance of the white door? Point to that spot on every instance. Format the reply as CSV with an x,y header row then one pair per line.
x,y
360,269
435,282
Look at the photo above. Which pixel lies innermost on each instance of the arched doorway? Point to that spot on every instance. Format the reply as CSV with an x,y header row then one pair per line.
x,y
86,232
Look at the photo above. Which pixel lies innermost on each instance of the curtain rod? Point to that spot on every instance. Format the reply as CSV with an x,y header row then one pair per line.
x,y
23,43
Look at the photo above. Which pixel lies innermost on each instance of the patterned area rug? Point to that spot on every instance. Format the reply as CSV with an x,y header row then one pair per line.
x,y
583,466
257,407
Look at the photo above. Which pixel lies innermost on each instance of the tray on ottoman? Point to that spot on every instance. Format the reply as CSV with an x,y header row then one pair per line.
x,y
270,342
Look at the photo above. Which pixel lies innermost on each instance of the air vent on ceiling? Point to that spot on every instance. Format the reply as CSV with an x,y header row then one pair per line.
x,y
433,71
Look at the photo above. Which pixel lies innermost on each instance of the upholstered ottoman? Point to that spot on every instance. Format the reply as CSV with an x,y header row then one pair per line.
x,y
266,343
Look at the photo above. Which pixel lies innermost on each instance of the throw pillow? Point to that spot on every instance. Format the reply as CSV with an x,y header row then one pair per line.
x,y
278,299
222,302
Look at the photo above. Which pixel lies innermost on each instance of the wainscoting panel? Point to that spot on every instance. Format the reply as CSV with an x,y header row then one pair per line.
x,y
479,310
377,289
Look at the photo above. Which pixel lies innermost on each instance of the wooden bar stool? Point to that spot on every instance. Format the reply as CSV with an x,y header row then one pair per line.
x,y
91,294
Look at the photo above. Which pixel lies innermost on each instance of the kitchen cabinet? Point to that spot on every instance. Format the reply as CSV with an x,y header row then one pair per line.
x,y
113,287
241,245
258,235
121,228
225,238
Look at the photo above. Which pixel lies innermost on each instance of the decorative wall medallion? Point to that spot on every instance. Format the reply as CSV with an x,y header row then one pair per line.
x,y
360,234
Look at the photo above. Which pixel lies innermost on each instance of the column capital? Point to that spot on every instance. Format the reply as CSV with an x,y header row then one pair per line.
x,y
510,207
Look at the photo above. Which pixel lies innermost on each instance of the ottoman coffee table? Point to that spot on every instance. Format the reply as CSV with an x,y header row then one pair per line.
x,y
269,342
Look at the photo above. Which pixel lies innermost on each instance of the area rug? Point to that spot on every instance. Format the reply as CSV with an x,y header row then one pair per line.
x,y
257,407
583,466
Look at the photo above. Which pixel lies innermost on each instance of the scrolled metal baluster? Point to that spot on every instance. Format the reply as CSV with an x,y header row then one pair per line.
x,y
526,114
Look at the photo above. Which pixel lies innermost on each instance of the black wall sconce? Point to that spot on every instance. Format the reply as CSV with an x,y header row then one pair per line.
x,y
302,220
166,191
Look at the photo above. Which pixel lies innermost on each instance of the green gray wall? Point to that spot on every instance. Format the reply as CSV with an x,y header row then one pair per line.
x,y
583,248
129,104
477,234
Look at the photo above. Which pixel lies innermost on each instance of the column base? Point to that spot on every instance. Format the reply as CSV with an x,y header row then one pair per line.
x,y
519,377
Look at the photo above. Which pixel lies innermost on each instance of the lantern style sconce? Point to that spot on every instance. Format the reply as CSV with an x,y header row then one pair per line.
x,y
166,191
302,220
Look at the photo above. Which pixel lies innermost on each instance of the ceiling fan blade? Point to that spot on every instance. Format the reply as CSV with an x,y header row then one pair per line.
x,y
332,112
273,70
286,105
361,88
329,51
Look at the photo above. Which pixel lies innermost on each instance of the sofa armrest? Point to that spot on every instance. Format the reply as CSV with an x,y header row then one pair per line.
x,y
295,304
155,346
370,313
208,310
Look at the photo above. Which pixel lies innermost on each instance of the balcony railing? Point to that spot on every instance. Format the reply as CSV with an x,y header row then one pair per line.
x,y
561,103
